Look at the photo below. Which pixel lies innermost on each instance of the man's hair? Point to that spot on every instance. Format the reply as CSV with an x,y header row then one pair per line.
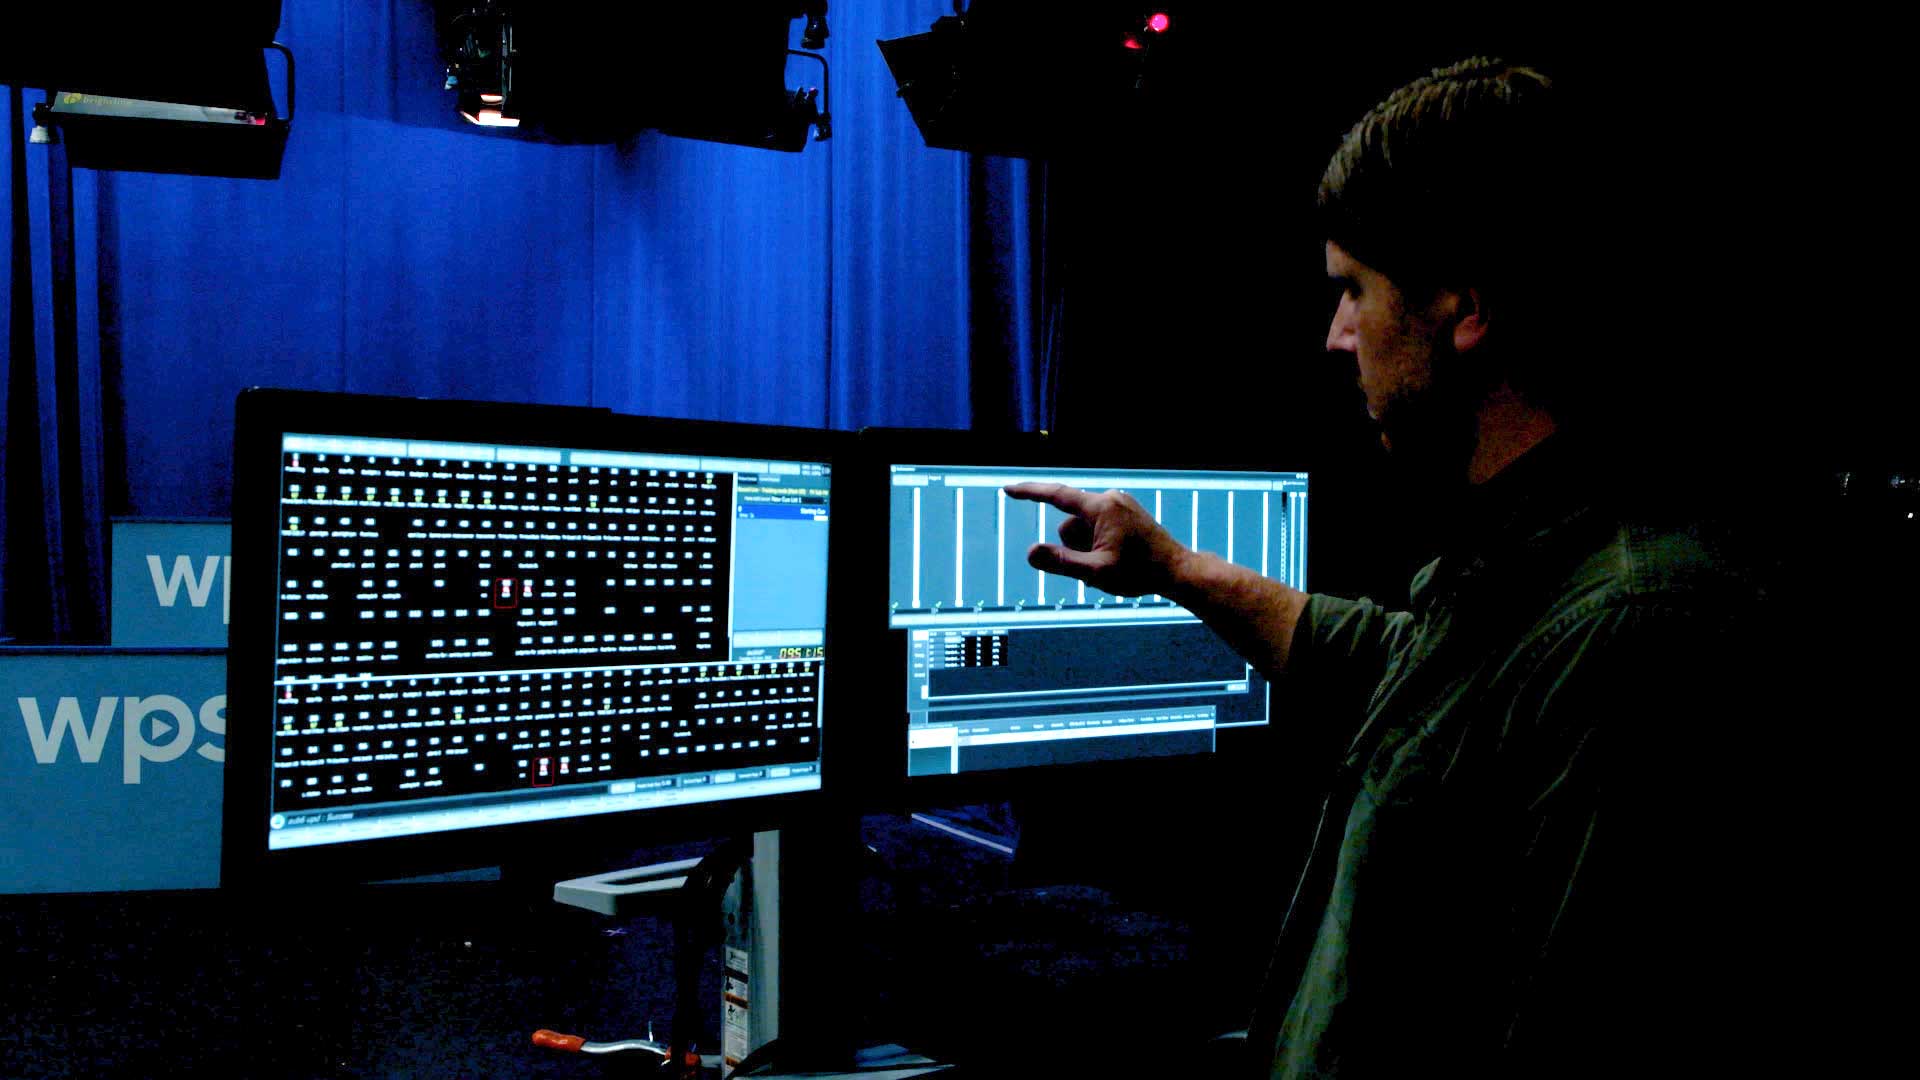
x,y
1463,178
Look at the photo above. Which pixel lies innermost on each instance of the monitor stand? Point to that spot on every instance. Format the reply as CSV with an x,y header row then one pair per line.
x,y
784,995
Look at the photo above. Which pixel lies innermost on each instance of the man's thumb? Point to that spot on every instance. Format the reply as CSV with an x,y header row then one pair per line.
x,y
1059,559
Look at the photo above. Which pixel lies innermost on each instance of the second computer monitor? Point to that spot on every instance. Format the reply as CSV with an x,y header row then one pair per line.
x,y
1004,667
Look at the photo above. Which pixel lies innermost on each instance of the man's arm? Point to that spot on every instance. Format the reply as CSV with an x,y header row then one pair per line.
x,y
1256,615
1110,542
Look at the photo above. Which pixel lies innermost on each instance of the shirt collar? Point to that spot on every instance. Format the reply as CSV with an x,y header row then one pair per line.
x,y
1554,482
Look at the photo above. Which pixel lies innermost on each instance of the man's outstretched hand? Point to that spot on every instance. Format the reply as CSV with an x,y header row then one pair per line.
x,y
1108,541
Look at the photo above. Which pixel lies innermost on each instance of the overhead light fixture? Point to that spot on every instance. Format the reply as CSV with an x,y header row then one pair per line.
x,y
579,72
1030,80
815,35
480,64
165,99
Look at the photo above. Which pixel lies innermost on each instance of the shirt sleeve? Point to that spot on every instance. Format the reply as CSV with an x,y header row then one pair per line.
x,y
1341,649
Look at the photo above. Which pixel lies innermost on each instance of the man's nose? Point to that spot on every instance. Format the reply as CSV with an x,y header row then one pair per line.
x,y
1340,332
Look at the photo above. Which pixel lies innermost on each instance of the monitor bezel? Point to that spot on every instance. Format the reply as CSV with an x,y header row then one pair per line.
x,y
262,417
881,740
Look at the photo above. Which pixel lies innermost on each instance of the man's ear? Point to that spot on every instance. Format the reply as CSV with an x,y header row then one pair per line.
x,y
1470,323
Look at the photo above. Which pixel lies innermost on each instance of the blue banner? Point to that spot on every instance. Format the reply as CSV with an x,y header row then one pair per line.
x,y
110,769
170,583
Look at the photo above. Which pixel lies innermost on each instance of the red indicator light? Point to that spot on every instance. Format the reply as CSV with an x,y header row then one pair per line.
x,y
1132,42
1159,22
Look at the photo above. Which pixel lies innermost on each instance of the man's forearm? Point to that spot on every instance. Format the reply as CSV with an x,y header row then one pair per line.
x,y
1253,613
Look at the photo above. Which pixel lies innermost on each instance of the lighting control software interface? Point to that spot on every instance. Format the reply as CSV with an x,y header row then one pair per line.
x,y
473,634
1008,667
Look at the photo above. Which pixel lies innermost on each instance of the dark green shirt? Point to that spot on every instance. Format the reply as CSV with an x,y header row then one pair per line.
x,y
1506,844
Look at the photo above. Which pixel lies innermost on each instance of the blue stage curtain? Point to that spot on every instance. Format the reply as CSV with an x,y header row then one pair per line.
x,y
1018,295
52,565
406,252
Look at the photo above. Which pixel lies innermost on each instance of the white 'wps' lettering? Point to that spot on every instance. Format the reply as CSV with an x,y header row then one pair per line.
x,y
66,718
132,729
213,718
91,740
166,587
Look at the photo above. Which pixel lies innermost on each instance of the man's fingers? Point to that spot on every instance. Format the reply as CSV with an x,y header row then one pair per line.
x,y
1062,496
1079,565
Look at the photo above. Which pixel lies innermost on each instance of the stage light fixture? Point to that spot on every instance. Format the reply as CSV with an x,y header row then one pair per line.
x,y
173,90
480,64
1031,80
815,35
576,72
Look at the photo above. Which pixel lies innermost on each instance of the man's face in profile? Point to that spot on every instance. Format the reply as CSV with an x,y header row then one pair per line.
x,y
1404,351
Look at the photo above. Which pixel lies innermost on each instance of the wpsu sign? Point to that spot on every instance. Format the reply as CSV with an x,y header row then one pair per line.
x,y
110,768
162,716
172,582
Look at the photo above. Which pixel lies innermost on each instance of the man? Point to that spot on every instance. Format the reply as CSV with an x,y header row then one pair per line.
x,y
1519,868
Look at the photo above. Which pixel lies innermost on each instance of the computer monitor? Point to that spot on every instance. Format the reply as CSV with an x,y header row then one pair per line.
x,y
466,632
996,669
